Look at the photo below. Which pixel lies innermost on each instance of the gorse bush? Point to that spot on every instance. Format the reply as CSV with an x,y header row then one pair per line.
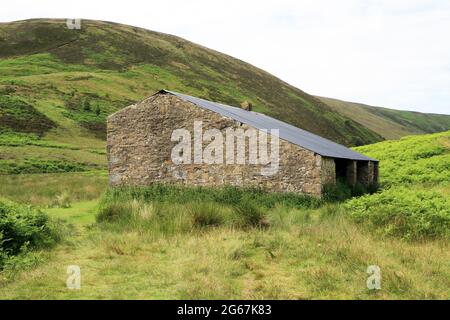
x,y
404,212
23,228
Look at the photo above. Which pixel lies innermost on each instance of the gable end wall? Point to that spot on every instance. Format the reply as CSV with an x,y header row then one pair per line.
x,y
139,151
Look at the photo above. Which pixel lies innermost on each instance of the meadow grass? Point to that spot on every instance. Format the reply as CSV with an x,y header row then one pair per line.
x,y
301,254
53,190
227,195
174,242
144,245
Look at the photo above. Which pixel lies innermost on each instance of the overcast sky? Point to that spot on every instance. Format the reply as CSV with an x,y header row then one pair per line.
x,y
392,53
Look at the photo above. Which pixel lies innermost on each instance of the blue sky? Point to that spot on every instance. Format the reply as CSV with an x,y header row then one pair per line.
x,y
389,53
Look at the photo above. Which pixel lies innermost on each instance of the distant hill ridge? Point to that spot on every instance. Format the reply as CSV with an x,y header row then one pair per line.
x,y
390,123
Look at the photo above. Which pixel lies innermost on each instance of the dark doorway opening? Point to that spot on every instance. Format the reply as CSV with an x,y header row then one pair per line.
x,y
363,172
341,169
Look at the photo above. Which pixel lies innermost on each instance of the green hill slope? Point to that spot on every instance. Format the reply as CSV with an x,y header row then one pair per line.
x,y
421,159
57,86
389,123
414,202
56,70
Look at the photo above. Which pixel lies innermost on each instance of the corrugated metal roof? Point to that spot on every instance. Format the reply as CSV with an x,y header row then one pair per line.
x,y
287,132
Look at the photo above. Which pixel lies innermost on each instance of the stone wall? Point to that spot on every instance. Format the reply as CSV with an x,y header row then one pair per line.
x,y
352,172
366,173
139,151
328,168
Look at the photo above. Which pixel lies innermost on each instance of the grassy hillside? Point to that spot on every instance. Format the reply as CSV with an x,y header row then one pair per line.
x,y
174,243
423,159
415,200
68,81
389,123
57,86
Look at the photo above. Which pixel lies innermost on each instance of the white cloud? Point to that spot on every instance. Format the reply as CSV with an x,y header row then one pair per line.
x,y
392,53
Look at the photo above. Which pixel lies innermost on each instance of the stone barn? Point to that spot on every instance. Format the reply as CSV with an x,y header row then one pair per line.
x,y
175,138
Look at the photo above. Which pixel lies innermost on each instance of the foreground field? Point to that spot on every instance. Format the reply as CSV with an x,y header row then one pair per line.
x,y
170,243
306,254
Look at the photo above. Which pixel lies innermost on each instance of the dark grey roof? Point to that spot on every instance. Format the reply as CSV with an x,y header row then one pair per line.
x,y
287,132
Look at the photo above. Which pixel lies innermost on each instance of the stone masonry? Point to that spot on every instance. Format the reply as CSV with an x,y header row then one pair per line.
x,y
139,152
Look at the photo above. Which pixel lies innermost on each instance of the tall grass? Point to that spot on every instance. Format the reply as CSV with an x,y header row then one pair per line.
x,y
166,209
165,219
53,190
226,195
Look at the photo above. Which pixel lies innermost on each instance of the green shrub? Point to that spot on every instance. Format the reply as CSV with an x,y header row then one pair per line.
x,y
207,214
3,253
39,166
86,105
250,214
404,212
113,211
407,167
341,191
17,139
23,228
336,192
